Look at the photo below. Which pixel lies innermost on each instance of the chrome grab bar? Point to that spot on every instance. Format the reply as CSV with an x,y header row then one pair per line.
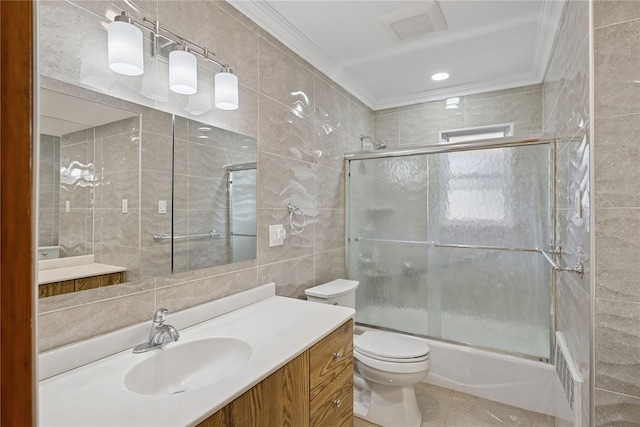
x,y
579,268
160,237
491,248
243,235
413,242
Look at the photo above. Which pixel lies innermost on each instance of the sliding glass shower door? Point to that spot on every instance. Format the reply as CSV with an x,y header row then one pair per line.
x,y
430,239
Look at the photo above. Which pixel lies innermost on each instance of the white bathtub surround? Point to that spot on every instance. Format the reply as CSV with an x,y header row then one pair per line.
x,y
276,328
502,378
61,269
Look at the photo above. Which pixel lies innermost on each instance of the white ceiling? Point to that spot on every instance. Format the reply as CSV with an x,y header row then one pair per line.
x,y
487,45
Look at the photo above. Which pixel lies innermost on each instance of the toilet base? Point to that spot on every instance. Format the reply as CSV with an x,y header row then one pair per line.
x,y
388,406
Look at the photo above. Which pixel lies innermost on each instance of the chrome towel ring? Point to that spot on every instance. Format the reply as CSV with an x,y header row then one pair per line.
x,y
292,210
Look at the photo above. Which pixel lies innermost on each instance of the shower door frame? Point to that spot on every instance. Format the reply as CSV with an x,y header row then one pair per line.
x,y
474,145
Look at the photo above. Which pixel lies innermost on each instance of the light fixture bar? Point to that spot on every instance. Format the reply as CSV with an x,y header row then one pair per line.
x,y
158,31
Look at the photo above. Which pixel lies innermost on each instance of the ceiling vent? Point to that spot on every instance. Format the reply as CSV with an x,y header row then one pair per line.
x,y
413,22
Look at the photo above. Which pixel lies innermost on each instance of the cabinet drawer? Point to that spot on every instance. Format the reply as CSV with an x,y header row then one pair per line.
x,y
333,406
329,357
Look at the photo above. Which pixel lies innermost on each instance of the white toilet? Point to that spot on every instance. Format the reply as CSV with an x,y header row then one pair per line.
x,y
388,365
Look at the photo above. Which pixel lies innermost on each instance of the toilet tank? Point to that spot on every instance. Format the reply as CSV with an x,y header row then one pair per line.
x,y
340,292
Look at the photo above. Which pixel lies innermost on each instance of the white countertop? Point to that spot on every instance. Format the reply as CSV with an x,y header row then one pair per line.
x,y
277,328
61,269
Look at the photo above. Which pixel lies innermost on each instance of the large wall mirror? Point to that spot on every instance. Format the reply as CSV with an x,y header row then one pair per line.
x,y
149,191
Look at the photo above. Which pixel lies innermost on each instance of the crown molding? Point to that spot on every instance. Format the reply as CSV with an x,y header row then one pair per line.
x,y
260,12
271,21
509,82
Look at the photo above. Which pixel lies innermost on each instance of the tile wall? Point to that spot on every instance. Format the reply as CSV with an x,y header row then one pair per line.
x,y
617,210
48,190
303,121
421,123
566,114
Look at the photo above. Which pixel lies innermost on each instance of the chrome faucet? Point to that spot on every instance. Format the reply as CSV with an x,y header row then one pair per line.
x,y
160,334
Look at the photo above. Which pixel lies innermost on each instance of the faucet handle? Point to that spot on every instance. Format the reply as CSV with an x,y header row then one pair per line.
x,y
160,316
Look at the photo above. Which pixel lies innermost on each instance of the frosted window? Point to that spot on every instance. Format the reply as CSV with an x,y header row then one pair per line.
x,y
476,182
463,205
477,133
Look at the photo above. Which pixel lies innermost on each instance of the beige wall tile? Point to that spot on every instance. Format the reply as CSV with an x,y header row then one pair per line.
x,y
284,79
285,131
617,69
329,146
295,245
613,409
618,254
330,266
292,277
524,110
282,181
330,230
617,346
423,126
331,107
387,128
56,329
189,294
617,155
608,12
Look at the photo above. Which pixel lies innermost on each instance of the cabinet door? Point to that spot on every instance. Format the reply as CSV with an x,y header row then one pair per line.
x,y
281,400
333,406
329,357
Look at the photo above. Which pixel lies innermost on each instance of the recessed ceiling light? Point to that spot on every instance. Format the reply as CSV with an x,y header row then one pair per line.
x,y
440,76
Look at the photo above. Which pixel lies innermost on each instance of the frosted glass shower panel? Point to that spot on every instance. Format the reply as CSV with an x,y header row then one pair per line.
x,y
387,233
404,212
491,298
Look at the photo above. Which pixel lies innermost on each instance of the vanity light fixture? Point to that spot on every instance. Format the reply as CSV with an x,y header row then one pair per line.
x,y
226,90
126,57
440,76
183,71
125,46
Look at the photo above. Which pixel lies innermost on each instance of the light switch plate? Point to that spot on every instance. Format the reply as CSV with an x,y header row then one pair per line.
x,y
275,234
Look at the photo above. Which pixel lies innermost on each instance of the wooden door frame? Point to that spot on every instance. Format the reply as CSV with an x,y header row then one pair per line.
x,y
17,300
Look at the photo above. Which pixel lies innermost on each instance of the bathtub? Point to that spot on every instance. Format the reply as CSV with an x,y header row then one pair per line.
x,y
502,378
494,376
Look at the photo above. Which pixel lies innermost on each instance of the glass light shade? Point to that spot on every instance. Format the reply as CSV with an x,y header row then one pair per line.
x,y
226,91
183,72
125,48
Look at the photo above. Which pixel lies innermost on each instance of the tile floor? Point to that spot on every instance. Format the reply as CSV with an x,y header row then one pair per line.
x,y
442,407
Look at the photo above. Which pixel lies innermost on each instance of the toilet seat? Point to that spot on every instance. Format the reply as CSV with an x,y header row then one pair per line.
x,y
391,347
393,367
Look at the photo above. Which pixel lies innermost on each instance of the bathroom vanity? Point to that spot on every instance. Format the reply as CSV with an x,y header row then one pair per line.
x,y
266,361
315,389
65,275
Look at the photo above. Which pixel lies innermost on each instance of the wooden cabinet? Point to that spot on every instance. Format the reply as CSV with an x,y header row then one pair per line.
x,y
331,379
315,389
81,284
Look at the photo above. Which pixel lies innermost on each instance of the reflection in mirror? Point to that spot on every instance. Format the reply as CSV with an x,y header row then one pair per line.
x,y
214,195
71,140
139,190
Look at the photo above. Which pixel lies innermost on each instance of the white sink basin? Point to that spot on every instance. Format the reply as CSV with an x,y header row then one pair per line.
x,y
182,367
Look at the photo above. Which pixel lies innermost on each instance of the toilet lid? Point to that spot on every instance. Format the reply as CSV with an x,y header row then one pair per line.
x,y
391,346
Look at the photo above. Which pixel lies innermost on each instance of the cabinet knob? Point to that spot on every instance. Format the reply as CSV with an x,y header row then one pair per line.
x,y
337,355
337,403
